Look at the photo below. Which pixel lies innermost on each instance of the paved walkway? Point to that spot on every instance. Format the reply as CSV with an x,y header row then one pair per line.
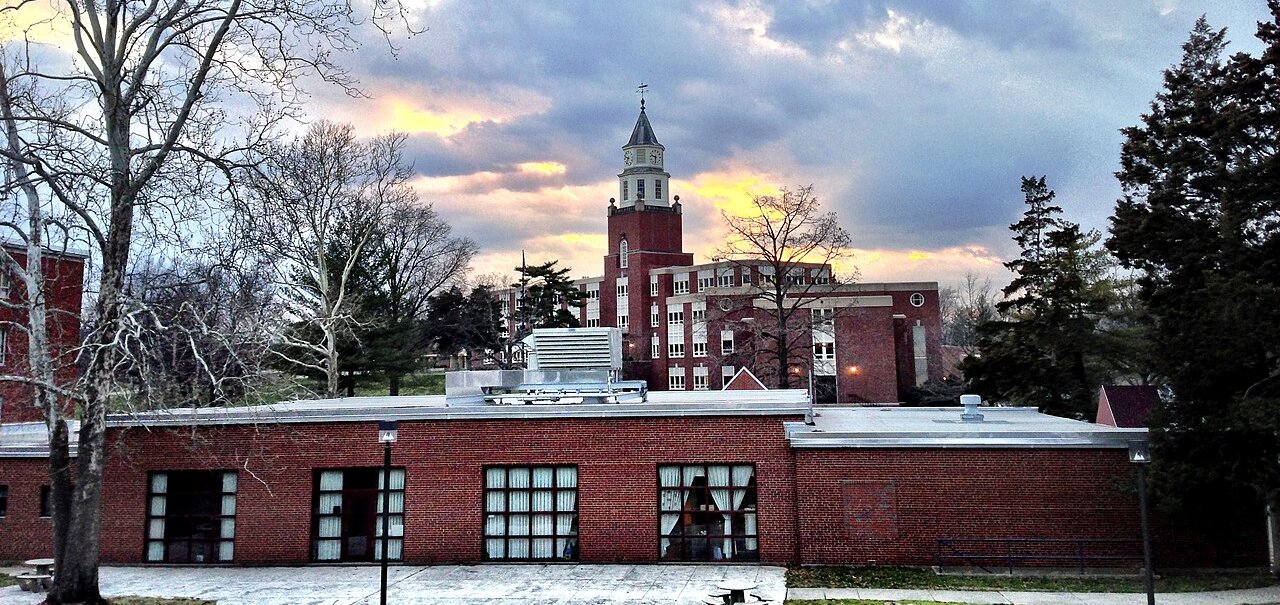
x,y
551,585
1225,597
434,585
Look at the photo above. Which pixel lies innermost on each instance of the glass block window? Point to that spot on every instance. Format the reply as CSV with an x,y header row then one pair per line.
x,y
347,515
191,517
531,513
707,513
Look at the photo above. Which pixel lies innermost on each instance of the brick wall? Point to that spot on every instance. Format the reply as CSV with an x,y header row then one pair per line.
x,y
24,534
926,494
64,276
617,476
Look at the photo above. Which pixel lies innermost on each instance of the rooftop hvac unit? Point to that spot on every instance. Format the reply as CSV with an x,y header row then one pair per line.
x,y
575,349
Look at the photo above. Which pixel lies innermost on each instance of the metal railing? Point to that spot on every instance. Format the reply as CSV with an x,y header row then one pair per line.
x,y
1014,551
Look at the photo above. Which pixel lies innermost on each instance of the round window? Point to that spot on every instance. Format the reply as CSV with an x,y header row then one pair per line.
x,y
917,299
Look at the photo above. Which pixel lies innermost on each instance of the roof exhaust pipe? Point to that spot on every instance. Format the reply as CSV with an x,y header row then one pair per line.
x,y
971,403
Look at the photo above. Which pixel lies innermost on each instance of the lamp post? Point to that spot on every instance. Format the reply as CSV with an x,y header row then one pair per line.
x,y
387,436
1140,455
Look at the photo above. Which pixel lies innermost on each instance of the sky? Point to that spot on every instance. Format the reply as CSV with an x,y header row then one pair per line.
x,y
912,119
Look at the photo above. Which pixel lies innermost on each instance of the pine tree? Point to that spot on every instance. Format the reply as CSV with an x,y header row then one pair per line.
x,y
1041,351
1200,221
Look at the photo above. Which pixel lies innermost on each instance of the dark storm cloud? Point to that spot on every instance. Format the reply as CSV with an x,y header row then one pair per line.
x,y
917,135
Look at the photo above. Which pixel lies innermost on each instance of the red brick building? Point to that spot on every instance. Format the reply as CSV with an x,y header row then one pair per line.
x,y
64,276
691,326
724,475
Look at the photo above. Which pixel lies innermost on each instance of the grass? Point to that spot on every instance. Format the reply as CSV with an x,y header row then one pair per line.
x,y
870,602
7,580
921,578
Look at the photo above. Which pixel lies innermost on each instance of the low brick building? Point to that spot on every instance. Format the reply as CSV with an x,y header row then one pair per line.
x,y
713,476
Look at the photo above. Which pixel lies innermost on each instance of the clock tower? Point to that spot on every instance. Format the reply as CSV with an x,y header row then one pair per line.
x,y
645,233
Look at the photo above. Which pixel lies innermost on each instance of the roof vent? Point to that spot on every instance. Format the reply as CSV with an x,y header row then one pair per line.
x,y
971,403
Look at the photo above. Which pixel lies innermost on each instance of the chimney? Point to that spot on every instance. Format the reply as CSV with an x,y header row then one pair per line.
x,y
971,403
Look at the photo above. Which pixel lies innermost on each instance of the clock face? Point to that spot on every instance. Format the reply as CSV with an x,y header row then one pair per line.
x,y
655,157
628,157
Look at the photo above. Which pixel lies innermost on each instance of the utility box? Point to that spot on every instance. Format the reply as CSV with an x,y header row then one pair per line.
x,y
575,349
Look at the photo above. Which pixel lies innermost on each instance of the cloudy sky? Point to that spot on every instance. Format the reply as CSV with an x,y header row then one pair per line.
x,y
913,119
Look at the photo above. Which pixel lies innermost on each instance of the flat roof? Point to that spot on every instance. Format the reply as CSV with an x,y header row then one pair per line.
x,y
31,439
434,407
934,427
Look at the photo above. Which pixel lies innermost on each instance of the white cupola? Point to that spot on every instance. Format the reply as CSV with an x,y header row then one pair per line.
x,y
642,176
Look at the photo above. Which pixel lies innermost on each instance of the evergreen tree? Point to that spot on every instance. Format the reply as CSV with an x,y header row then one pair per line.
x,y
1200,221
548,297
1041,351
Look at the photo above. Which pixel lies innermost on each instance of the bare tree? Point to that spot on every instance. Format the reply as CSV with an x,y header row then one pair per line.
x,y
790,244
965,308
316,206
133,131
422,255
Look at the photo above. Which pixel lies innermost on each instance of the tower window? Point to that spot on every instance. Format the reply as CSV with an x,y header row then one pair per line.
x,y
657,189
622,253
626,195
639,189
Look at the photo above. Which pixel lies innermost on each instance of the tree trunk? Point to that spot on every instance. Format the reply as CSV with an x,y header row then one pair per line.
x,y
394,390
1273,531
60,488
331,363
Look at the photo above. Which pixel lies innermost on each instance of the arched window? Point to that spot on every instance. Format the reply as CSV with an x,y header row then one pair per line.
x,y
622,253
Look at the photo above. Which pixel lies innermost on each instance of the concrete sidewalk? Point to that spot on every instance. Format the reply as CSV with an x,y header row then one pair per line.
x,y
1251,596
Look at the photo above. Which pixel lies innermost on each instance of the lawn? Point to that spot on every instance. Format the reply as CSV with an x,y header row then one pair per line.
x,y
922,578
7,580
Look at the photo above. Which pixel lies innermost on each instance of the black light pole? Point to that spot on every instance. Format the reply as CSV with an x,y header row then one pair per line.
x,y
1140,455
387,435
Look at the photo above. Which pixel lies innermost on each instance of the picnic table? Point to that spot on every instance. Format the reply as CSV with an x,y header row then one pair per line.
x,y
737,589
40,578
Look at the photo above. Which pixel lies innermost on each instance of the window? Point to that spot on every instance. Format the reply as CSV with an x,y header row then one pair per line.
x,y
46,502
593,322
653,285
822,276
593,293
824,350
622,254
657,189
726,342
746,277
699,349
622,289
726,278
681,284
795,279
639,189
4,501
622,321
726,374
707,513
675,318
676,349
191,517
5,282
655,347
347,515
675,380
530,512
4,344
917,299
655,316
698,314
700,381
626,194
706,282
822,317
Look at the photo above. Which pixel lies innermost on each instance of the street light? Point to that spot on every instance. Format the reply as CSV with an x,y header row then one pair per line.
x,y
1140,455
386,436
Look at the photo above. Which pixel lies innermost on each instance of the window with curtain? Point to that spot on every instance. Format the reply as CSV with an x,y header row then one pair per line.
x,y
531,513
707,513
347,514
191,517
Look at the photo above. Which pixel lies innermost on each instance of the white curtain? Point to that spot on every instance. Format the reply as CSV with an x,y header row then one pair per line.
x,y
669,477
742,478
543,477
229,482
158,504
329,506
718,480
495,478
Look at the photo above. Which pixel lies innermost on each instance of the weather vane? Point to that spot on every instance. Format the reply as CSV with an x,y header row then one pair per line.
x,y
640,90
